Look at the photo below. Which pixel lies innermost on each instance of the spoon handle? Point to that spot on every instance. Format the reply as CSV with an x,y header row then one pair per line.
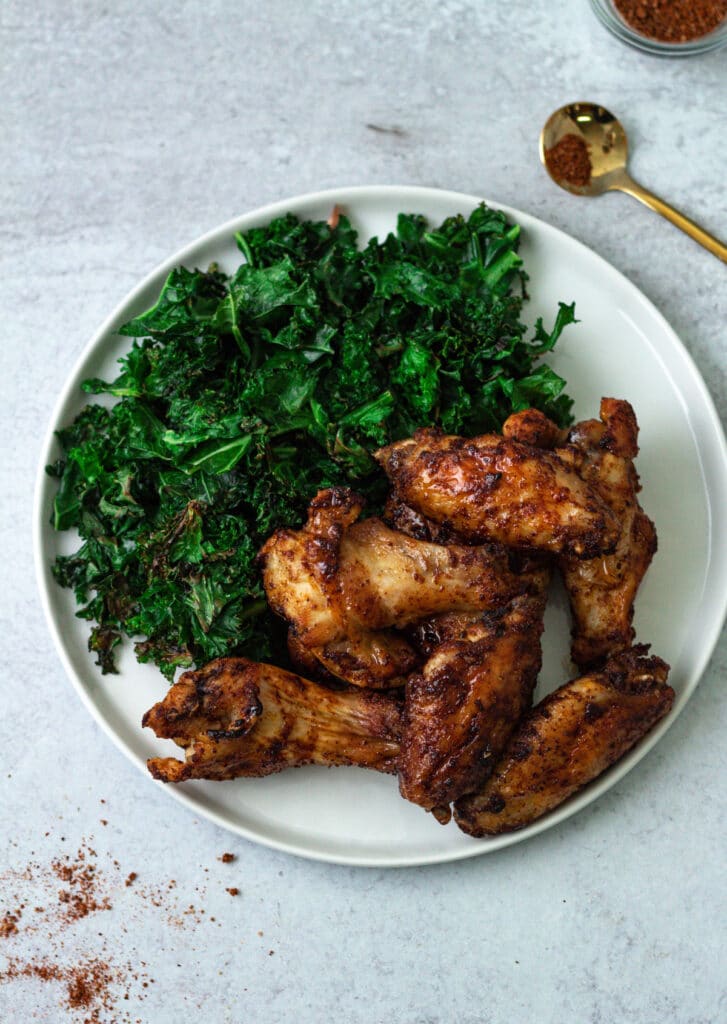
x,y
632,188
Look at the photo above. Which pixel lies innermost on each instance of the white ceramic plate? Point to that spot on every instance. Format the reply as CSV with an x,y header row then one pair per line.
x,y
623,348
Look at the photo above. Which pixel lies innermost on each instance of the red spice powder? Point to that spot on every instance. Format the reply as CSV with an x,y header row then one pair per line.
x,y
568,160
93,984
81,897
672,21
72,887
88,984
9,924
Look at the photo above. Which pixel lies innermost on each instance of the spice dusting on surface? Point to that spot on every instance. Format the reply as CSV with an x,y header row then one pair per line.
x,y
48,936
568,160
93,983
673,21
91,986
9,924
82,896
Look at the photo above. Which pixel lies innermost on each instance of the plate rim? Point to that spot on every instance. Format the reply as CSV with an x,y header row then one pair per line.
x,y
225,231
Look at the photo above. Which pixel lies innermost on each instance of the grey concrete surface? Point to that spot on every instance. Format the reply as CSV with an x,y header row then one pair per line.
x,y
129,129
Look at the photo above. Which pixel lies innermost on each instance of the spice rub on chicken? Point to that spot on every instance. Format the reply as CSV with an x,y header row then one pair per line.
x,y
601,590
569,739
492,488
346,587
236,717
474,688
423,629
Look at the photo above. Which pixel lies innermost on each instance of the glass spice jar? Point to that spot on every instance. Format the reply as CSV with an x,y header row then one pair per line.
x,y
609,14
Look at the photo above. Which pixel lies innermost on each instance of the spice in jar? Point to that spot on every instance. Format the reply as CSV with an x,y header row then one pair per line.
x,y
672,21
568,160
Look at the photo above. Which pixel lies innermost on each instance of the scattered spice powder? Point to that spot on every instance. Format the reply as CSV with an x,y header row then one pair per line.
x,y
568,160
9,924
89,983
673,21
82,897
93,983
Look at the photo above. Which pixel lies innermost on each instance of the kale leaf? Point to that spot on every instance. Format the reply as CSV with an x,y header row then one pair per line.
x,y
242,395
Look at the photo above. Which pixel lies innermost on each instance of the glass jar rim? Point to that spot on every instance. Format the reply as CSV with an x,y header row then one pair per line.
x,y
609,16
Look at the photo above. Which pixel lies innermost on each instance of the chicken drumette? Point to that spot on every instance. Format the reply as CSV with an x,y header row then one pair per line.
x,y
601,590
344,587
236,717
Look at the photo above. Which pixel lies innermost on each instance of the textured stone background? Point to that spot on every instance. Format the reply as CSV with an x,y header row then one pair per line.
x,y
127,131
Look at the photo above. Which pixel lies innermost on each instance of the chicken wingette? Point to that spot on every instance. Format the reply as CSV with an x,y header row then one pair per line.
x,y
473,690
492,488
236,717
567,740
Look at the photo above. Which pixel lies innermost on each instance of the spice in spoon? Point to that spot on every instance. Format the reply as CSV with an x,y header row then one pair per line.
x,y
672,21
568,160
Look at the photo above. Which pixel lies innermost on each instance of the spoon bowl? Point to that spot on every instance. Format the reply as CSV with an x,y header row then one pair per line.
x,y
597,144
602,133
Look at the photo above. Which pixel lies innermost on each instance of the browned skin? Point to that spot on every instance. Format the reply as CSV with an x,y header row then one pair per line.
x,y
602,590
236,717
495,488
568,740
345,586
531,426
301,575
406,520
471,693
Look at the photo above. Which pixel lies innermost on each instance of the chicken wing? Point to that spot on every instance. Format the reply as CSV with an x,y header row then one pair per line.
x,y
568,740
236,717
473,690
601,590
494,488
343,586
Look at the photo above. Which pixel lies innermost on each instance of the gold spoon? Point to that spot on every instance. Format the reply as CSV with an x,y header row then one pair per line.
x,y
607,153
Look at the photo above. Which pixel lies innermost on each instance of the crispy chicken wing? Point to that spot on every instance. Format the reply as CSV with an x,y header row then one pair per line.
x,y
568,740
236,717
343,586
601,590
471,693
477,682
494,488
301,579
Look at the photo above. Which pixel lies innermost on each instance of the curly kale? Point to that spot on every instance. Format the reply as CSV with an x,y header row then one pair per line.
x,y
242,395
